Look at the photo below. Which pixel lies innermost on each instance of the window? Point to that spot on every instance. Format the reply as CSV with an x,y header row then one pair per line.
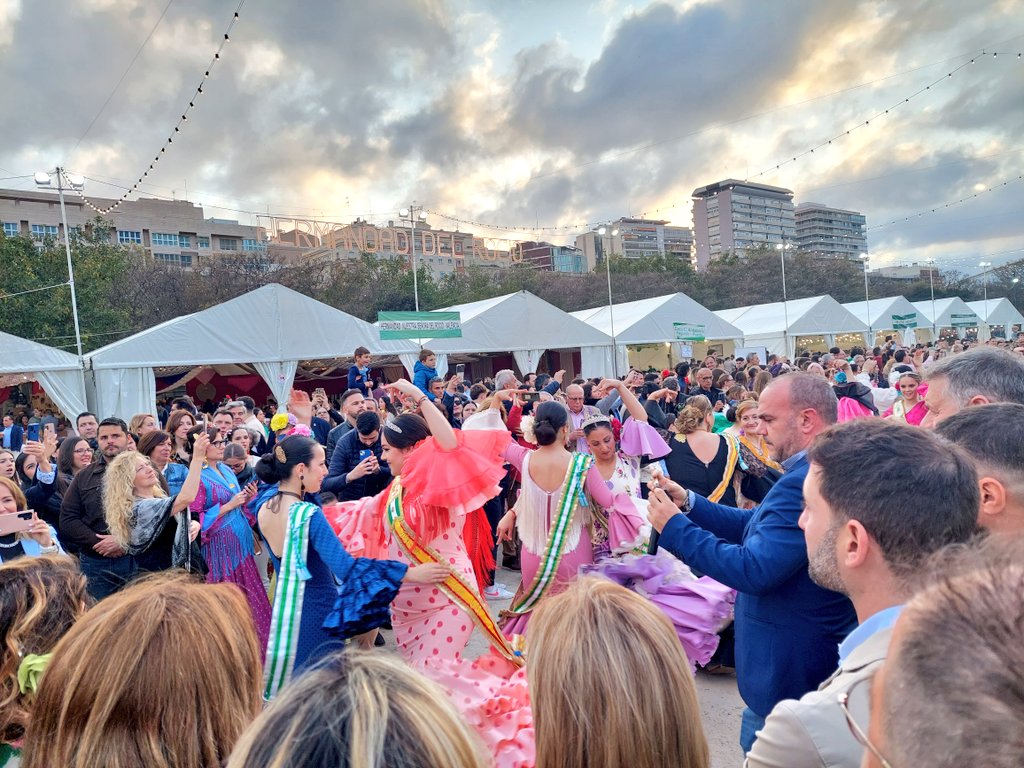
x,y
253,245
174,259
228,244
39,231
203,242
12,228
165,239
184,241
129,237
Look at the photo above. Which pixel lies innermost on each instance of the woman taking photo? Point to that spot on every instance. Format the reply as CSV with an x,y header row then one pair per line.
x,y
227,539
43,482
324,595
178,426
157,447
138,510
910,406
39,539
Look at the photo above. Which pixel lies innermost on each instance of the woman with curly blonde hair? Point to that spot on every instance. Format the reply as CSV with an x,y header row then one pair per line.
x,y
40,599
138,511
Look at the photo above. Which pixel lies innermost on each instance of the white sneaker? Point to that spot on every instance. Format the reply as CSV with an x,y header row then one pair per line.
x,y
498,592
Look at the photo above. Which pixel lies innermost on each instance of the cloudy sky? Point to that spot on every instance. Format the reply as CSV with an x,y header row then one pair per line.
x,y
546,116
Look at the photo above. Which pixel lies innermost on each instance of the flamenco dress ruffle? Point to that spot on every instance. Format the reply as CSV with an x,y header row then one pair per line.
x,y
697,608
364,600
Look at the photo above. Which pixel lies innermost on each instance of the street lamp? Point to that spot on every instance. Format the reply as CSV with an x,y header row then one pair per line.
x,y
867,299
43,179
610,230
931,283
782,248
985,265
412,214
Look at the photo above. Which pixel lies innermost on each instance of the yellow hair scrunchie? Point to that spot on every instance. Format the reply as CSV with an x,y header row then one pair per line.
x,y
31,670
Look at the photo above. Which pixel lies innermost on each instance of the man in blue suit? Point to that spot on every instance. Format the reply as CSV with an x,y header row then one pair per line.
x,y
788,629
13,434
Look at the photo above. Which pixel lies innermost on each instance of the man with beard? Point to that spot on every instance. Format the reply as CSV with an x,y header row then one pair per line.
x,y
83,527
788,628
870,541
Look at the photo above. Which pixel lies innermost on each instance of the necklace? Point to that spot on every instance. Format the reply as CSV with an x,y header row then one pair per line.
x,y
14,543
289,493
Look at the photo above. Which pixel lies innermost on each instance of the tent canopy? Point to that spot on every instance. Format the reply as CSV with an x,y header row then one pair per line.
x,y
882,311
818,315
815,316
650,321
1000,312
526,326
944,308
271,328
58,372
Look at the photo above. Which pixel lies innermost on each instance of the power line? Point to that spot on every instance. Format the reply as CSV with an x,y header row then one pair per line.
x,y
123,76
950,204
177,128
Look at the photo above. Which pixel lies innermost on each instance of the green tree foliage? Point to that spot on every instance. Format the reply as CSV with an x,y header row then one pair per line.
x,y
46,315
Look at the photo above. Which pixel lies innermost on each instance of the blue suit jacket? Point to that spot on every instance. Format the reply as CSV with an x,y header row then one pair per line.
x,y
788,629
17,437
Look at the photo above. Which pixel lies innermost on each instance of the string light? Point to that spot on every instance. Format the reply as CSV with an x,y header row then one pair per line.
x,y
103,211
950,204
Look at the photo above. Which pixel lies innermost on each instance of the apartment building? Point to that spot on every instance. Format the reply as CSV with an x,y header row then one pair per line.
x,y
733,215
635,239
170,231
830,232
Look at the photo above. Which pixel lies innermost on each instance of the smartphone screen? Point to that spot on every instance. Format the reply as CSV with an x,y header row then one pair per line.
x,y
32,433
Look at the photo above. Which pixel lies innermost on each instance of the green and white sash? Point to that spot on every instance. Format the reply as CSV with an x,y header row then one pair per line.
x,y
286,616
573,494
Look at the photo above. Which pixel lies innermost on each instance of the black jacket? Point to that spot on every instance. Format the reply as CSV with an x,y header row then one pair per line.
x,y
344,460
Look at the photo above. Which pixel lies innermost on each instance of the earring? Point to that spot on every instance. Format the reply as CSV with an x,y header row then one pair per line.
x,y
302,485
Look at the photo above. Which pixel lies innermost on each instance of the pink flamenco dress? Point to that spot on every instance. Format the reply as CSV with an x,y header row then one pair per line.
x,y
438,490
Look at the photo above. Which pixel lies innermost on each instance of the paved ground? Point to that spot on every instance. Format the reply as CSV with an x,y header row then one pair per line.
x,y
719,701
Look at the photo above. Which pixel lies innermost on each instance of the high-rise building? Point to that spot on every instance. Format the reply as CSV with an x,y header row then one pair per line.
x,y
549,257
174,232
830,232
733,215
635,239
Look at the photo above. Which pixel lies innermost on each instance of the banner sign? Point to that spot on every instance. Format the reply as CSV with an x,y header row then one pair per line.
x,y
964,321
419,325
901,322
689,331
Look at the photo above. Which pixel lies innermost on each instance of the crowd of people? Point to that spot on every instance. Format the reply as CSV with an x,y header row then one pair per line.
x,y
843,531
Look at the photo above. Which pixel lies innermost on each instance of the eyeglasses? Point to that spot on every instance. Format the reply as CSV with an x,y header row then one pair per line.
x,y
84,451
219,443
859,733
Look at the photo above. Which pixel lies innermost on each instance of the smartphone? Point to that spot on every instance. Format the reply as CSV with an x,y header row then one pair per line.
x,y
32,432
365,454
530,397
320,391
460,369
16,522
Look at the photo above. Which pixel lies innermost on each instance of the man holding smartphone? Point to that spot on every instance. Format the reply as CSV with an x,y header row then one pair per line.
x,y
356,469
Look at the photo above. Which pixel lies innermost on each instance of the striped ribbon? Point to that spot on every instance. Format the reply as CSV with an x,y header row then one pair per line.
x,y
287,611
454,586
573,494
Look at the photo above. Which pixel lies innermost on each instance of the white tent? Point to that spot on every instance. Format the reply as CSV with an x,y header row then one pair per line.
x,y
880,320
58,372
271,329
651,321
998,312
940,313
817,321
526,326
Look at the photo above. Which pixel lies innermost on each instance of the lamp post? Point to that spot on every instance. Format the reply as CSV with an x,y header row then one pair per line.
x,y
867,299
602,231
985,265
782,248
43,179
412,214
931,283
